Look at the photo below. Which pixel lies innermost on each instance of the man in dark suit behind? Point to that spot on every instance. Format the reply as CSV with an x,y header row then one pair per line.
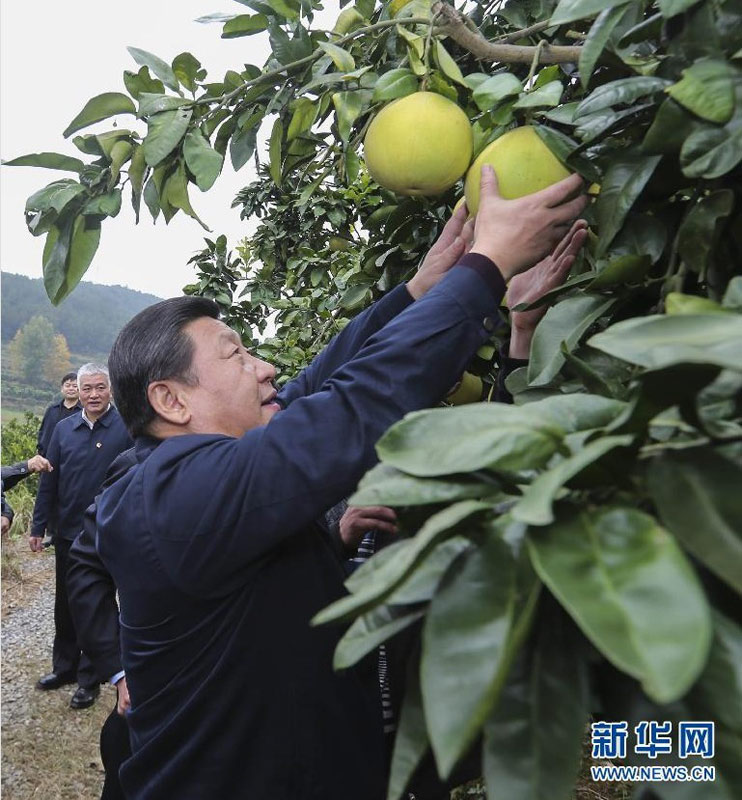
x,y
67,405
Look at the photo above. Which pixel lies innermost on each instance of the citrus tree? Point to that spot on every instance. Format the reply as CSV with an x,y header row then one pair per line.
x,y
580,551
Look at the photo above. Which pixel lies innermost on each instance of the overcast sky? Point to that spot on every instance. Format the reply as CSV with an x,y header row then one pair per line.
x,y
54,57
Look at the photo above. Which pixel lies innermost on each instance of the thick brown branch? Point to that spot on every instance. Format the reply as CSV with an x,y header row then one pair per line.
x,y
452,24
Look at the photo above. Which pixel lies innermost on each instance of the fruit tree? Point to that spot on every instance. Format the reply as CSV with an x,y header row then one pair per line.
x,y
578,552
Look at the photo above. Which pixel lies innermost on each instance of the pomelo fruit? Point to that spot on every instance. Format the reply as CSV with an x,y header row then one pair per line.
x,y
523,165
420,144
467,390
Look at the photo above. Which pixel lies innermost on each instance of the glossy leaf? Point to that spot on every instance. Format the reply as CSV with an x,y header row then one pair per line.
x,y
285,8
159,67
187,69
99,108
465,438
679,303
624,90
596,41
348,107
628,586
706,89
164,133
244,25
106,205
422,583
274,151
565,322
697,234
621,271
342,59
712,152
671,8
242,145
376,582
369,631
533,739
656,342
83,246
569,10
464,642
136,171
153,103
139,82
201,159
535,507
622,184
698,499
387,486
494,89
671,126
643,234
411,739
176,191
395,83
546,96
305,113
47,161
733,296
448,66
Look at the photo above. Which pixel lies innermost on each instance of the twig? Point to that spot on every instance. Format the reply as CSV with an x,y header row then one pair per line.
x,y
521,34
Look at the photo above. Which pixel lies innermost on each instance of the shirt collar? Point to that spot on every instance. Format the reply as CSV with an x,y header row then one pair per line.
x,y
104,419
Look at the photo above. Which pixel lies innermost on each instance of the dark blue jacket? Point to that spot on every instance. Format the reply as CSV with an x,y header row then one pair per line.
x,y
212,543
80,457
55,413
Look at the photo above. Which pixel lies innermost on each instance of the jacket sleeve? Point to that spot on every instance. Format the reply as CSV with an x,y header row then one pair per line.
x,y
91,591
346,344
46,497
227,502
5,508
44,432
14,474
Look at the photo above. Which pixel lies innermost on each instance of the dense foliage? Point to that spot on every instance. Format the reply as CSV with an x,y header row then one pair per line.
x,y
38,355
580,551
19,444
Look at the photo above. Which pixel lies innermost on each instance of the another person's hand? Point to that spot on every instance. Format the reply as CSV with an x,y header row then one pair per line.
x,y
39,464
36,543
124,702
516,234
447,250
358,520
4,525
529,286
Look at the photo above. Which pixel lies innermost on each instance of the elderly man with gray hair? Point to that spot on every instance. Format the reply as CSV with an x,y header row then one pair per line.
x,y
81,449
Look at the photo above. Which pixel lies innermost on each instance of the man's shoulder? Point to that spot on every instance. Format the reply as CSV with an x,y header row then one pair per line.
x,y
68,424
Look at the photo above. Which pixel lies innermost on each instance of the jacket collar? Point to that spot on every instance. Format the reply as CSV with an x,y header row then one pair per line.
x,y
105,419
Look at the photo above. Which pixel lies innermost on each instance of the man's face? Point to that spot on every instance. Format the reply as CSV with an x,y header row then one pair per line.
x,y
95,393
235,390
69,389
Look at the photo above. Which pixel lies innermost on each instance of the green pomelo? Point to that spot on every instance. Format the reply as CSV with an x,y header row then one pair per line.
x,y
468,390
418,145
523,165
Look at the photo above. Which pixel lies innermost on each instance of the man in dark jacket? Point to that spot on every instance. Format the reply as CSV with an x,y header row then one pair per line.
x,y
67,405
14,474
211,538
81,449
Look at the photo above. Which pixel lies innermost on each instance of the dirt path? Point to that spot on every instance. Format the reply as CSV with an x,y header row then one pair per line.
x,y
49,751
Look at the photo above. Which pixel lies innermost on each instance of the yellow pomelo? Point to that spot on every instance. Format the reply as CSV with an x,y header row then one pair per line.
x,y
522,162
467,390
418,145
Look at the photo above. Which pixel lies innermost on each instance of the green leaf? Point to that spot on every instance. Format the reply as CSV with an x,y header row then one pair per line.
x,y
242,143
151,198
137,169
83,246
656,342
641,233
154,103
47,161
342,59
671,8
567,322
348,107
733,295
176,192
244,25
548,95
159,67
274,151
698,499
98,108
697,235
706,89
621,271
354,297
596,41
387,486
106,205
284,8
622,184
535,507
164,132
201,159
533,739
393,84
448,66
443,441
411,740
671,126
628,586
464,641
305,113
625,90
422,583
712,152
140,82
369,631
679,303
569,10
377,582
54,196
187,69
494,89
54,257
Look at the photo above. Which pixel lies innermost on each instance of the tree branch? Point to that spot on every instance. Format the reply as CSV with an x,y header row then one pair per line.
x,y
453,25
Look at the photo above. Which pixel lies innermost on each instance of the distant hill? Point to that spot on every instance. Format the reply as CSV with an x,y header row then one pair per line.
x,y
90,318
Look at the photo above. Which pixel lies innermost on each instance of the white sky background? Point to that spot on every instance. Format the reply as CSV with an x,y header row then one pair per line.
x,y
54,56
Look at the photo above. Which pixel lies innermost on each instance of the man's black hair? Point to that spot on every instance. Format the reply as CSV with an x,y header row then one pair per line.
x,y
154,347
70,376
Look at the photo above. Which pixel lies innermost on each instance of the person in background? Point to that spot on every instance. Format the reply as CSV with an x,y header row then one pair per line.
x,y
81,449
14,474
65,407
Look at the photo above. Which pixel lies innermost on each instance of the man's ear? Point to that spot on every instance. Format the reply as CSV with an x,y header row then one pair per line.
x,y
170,401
